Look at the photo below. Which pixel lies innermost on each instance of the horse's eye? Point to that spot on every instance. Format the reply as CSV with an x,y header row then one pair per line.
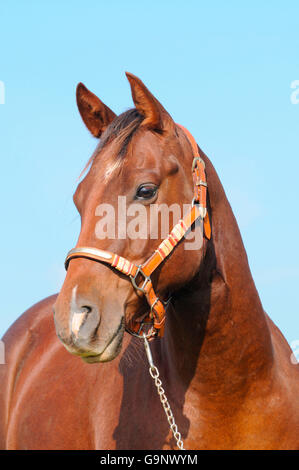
x,y
146,191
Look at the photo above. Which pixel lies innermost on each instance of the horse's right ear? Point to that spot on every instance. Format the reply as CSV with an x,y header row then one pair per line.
x,y
155,116
95,114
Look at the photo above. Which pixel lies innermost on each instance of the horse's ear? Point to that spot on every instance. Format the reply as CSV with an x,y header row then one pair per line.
x,y
155,116
95,114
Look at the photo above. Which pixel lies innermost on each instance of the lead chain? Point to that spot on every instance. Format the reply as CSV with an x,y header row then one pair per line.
x,y
155,375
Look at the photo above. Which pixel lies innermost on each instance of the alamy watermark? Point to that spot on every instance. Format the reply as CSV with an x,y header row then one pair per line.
x,y
295,93
2,92
295,354
137,221
2,352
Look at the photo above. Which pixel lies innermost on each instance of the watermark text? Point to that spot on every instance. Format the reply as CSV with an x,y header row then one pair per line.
x,y
295,354
2,92
2,352
137,221
295,93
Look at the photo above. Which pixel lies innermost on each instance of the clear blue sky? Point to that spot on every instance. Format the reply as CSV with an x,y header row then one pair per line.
x,y
222,69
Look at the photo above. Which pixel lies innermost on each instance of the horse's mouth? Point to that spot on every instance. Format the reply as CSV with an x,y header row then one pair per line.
x,y
112,348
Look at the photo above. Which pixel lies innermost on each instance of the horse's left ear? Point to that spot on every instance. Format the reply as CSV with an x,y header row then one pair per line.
x,y
95,114
155,116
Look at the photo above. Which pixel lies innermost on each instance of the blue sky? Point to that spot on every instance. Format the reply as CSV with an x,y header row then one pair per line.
x,y
222,69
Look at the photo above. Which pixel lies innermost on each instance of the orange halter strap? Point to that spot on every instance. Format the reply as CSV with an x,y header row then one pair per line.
x,y
140,275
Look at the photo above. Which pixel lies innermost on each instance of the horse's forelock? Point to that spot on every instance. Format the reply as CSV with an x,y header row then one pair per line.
x,y
121,130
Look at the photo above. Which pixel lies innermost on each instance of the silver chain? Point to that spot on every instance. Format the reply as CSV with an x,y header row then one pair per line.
x,y
155,375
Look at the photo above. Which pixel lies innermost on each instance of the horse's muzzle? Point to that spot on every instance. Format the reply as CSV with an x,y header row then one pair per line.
x,y
81,335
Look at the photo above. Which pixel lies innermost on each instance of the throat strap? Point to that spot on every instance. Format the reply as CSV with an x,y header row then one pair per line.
x,y
199,181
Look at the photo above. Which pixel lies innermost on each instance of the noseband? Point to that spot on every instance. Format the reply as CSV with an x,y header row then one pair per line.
x,y
140,275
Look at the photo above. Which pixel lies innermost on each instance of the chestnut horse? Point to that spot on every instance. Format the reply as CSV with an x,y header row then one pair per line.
x,y
225,366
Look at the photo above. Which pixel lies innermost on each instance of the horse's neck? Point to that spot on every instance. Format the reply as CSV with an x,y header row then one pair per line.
x,y
218,333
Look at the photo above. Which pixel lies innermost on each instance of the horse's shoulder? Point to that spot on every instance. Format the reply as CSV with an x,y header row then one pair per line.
x,y
34,326
30,322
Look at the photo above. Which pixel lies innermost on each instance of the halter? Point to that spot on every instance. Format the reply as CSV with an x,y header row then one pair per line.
x,y
140,275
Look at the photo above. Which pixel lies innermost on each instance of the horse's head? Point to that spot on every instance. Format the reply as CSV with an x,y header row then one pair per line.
x,y
140,169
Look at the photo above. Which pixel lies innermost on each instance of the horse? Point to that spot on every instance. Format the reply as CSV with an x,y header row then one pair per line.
x,y
82,380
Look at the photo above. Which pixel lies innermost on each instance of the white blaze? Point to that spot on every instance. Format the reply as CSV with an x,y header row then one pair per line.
x,y
77,318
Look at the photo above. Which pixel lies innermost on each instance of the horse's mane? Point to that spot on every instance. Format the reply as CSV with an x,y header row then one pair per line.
x,y
121,130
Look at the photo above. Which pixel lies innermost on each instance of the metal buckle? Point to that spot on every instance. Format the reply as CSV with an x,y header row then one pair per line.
x,y
153,307
146,280
201,183
194,201
202,210
151,333
165,303
195,160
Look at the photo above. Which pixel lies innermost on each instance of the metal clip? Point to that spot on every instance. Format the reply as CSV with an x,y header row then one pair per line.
x,y
148,351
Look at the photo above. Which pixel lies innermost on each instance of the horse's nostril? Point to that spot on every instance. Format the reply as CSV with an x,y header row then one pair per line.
x,y
85,322
86,308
